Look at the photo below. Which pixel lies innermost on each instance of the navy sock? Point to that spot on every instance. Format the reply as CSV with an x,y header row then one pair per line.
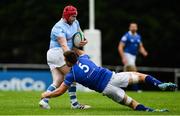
x,y
72,95
141,107
152,81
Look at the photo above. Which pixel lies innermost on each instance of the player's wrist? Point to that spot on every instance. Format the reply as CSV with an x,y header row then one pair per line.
x,y
65,48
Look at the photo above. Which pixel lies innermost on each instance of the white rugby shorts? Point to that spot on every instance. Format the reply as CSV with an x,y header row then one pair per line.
x,y
113,89
55,58
131,59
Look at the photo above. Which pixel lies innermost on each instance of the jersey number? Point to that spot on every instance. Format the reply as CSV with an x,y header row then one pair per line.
x,y
84,67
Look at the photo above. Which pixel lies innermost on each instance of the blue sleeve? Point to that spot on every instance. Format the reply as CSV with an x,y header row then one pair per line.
x,y
69,79
124,39
59,32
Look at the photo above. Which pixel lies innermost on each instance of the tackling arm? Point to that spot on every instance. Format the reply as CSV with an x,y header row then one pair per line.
x,y
59,91
78,51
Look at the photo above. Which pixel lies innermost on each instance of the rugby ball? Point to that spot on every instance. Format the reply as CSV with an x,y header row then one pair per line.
x,y
77,38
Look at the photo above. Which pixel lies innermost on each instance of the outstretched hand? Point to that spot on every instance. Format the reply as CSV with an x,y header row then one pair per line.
x,y
45,95
145,54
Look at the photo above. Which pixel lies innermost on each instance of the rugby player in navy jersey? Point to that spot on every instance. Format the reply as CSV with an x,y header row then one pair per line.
x,y
86,72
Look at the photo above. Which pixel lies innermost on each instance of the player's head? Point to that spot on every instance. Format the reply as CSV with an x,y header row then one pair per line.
x,y
70,58
70,14
133,27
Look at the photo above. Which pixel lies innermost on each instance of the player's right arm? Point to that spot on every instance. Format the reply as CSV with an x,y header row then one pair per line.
x,y
59,91
60,35
63,42
121,49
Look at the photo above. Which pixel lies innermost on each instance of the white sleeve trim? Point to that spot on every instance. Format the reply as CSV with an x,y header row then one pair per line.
x,y
124,38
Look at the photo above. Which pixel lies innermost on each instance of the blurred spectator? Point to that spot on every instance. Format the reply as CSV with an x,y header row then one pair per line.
x,y
129,46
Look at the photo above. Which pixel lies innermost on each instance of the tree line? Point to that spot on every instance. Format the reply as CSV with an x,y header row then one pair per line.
x,y
26,25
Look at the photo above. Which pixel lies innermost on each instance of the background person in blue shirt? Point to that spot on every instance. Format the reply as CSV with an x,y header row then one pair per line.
x,y
129,47
104,81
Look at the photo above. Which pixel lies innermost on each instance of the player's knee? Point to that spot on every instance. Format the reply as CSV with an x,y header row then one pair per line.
x,y
127,100
58,77
116,96
135,78
141,76
115,93
119,97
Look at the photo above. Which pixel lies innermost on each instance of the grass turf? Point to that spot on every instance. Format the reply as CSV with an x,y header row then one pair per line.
x,y
26,103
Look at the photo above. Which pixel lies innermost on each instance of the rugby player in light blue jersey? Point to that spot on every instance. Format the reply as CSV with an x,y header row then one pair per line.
x,y
61,41
104,81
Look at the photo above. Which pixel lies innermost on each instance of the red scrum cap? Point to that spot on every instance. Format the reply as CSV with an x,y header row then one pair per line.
x,y
69,11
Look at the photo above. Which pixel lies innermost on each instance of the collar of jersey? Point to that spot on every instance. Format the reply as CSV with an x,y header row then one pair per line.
x,y
131,33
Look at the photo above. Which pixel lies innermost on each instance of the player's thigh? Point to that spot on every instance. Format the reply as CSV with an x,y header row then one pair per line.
x,y
120,79
57,76
55,58
115,93
64,69
124,79
131,59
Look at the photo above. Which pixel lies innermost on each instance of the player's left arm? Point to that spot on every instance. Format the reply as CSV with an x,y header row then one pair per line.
x,y
142,50
59,91
82,43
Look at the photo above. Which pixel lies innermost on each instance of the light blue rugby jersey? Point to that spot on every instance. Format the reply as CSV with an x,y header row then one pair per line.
x,y
62,29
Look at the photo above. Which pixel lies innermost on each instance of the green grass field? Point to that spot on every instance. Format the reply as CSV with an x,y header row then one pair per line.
x,y
26,103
